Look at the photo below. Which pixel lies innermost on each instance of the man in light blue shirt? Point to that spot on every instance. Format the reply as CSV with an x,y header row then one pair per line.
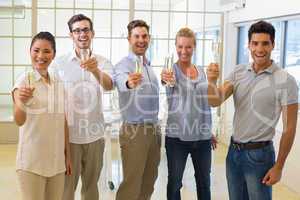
x,y
139,103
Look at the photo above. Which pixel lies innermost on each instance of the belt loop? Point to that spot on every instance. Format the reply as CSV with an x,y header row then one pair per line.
x,y
236,146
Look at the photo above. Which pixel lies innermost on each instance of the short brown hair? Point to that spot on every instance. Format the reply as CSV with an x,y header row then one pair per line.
x,y
186,32
77,18
137,23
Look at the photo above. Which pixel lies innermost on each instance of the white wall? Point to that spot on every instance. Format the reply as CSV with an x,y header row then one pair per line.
x,y
255,10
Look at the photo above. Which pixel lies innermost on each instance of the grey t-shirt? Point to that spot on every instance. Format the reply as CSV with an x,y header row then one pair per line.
x,y
258,100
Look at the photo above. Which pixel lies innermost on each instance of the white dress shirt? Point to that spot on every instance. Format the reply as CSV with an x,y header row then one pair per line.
x,y
84,97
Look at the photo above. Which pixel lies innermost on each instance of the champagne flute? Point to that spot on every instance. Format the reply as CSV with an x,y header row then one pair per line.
x,y
169,61
30,78
216,51
84,55
30,82
139,66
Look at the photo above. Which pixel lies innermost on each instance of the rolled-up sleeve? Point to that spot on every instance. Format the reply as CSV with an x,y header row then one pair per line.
x,y
120,75
289,94
107,67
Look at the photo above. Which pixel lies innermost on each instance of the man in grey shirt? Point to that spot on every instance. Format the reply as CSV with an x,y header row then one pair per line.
x,y
262,92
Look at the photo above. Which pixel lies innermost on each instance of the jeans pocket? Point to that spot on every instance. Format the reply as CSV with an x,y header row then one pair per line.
x,y
261,156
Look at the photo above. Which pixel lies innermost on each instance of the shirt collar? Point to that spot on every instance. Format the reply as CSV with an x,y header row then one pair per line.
x,y
72,55
132,56
269,70
38,77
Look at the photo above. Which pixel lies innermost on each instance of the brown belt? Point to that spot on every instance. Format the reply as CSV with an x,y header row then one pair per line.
x,y
250,145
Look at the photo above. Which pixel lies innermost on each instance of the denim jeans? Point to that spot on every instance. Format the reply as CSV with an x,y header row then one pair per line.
x,y
177,153
245,170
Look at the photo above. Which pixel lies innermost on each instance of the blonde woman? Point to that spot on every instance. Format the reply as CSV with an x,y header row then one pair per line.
x,y
188,128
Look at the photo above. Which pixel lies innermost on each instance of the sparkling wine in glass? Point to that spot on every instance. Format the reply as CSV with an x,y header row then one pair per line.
x,y
84,56
139,65
30,78
30,82
169,61
216,47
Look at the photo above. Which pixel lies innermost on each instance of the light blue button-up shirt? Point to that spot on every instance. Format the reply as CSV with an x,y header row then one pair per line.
x,y
141,104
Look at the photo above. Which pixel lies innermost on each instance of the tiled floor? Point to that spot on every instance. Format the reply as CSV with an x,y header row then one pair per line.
x,y
9,189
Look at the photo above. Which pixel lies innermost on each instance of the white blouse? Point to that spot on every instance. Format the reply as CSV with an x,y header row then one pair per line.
x,y
41,137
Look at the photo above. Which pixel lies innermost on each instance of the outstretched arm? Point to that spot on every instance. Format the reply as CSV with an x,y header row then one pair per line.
x,y
216,96
104,79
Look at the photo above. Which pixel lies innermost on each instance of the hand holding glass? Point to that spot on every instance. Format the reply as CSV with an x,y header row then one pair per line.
x,y
29,84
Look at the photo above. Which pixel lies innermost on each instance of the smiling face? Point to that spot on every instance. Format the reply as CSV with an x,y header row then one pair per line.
x,y
82,34
260,47
41,54
139,40
185,48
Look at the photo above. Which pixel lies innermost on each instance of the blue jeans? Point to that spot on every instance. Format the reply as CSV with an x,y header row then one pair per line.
x,y
245,170
177,153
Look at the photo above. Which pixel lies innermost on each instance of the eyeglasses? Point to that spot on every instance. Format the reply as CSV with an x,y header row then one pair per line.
x,y
77,31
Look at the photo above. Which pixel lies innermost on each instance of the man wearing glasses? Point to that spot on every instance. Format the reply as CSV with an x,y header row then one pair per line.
x,y
83,75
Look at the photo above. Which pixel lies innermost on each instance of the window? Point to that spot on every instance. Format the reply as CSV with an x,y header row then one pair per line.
x,y
277,51
243,52
292,53
110,18
16,23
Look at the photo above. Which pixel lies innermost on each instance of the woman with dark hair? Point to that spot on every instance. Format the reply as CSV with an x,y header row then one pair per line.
x,y
43,149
